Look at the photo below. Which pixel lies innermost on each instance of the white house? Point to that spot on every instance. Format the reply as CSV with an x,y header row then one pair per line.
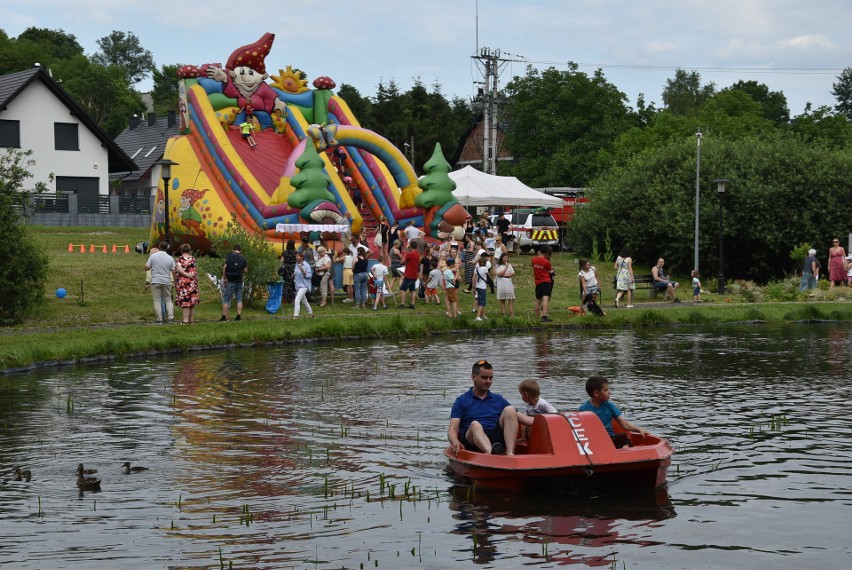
x,y
37,114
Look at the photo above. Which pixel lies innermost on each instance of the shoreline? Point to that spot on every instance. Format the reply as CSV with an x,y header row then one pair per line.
x,y
127,342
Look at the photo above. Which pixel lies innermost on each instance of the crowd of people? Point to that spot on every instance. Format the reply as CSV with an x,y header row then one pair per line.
x,y
839,268
410,268
407,267
164,273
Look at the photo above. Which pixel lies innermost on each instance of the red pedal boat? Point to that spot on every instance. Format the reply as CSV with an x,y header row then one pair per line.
x,y
568,449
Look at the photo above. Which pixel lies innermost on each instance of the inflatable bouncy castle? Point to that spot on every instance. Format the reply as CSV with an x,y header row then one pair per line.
x,y
280,157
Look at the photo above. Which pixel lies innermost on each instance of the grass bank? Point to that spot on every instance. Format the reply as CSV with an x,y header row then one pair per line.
x,y
108,314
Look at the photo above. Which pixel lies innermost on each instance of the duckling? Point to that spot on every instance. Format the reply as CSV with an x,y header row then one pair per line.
x,y
86,471
23,474
128,469
87,483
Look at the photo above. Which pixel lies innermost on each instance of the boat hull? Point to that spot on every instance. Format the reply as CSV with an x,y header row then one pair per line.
x,y
570,449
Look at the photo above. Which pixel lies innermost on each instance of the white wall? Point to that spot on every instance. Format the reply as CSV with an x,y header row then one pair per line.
x,y
38,109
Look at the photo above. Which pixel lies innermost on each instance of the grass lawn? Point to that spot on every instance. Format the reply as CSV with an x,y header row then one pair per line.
x,y
108,313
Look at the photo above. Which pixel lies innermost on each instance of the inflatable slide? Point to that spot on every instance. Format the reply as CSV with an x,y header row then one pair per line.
x,y
244,142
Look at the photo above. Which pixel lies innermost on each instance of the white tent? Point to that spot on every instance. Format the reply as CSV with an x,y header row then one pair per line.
x,y
475,188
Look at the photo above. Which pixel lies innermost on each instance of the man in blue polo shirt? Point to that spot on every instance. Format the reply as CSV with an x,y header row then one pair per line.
x,y
482,420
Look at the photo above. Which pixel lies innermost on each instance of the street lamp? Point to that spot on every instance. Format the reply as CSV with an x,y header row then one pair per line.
x,y
410,148
166,174
697,190
720,189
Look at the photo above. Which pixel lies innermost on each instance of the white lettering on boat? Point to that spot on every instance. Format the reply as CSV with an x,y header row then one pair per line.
x,y
580,435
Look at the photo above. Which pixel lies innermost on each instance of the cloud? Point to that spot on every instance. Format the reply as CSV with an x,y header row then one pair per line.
x,y
808,42
656,47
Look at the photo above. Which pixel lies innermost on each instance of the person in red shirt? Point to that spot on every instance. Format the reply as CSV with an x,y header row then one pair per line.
x,y
543,274
411,260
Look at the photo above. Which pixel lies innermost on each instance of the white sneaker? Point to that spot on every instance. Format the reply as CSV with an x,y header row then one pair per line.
x,y
629,306
478,318
347,300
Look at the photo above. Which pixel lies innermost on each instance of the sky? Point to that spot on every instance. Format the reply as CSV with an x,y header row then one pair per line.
x,y
792,46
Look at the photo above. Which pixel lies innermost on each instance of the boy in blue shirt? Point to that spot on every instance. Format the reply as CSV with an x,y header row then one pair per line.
x,y
597,387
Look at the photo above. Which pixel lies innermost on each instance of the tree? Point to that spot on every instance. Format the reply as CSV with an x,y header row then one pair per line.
x,y
101,91
684,94
773,104
824,126
562,125
425,116
166,89
25,265
56,43
125,51
646,202
842,91
360,106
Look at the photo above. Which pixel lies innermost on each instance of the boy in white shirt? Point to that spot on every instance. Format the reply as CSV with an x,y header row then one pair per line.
x,y
379,272
531,395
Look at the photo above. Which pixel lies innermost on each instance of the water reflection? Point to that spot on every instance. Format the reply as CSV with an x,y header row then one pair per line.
x,y
330,456
569,528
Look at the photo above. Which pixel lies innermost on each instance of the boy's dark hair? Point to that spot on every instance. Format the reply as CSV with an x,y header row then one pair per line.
x,y
480,364
595,383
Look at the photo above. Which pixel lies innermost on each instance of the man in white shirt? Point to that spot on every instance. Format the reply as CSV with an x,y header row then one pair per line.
x,y
162,266
412,232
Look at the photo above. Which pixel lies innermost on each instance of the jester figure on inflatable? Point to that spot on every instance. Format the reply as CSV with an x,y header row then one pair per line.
x,y
309,158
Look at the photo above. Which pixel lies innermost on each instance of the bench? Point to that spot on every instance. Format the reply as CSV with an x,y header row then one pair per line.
x,y
645,281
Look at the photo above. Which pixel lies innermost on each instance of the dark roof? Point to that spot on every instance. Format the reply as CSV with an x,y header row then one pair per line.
x,y
14,84
145,142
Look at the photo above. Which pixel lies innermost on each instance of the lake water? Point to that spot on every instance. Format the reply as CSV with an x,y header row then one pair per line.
x,y
329,456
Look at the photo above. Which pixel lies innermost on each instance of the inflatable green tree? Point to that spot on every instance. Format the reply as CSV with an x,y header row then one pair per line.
x,y
437,186
311,182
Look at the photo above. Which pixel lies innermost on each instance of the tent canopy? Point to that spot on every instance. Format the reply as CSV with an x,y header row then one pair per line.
x,y
476,188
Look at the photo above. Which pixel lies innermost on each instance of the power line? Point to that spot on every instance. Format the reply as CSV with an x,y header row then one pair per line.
x,y
761,70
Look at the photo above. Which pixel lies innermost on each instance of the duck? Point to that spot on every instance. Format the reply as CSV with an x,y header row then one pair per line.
x,y
23,474
86,471
135,469
87,483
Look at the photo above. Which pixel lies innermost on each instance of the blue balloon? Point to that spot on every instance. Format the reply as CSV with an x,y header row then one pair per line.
x,y
61,293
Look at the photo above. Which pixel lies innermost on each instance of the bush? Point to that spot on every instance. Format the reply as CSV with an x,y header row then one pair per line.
x,y
25,267
262,261
786,290
24,270
748,290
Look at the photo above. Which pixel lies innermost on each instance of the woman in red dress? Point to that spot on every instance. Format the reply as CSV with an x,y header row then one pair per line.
x,y
187,283
836,260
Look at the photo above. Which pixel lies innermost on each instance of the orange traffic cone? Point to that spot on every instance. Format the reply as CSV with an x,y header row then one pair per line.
x,y
82,248
70,248
114,248
126,249
104,249
91,248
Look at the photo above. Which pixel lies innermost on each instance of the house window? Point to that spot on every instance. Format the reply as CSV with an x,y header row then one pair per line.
x,y
10,133
65,136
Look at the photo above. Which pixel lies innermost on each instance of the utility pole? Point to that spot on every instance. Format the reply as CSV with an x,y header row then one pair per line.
x,y
490,63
